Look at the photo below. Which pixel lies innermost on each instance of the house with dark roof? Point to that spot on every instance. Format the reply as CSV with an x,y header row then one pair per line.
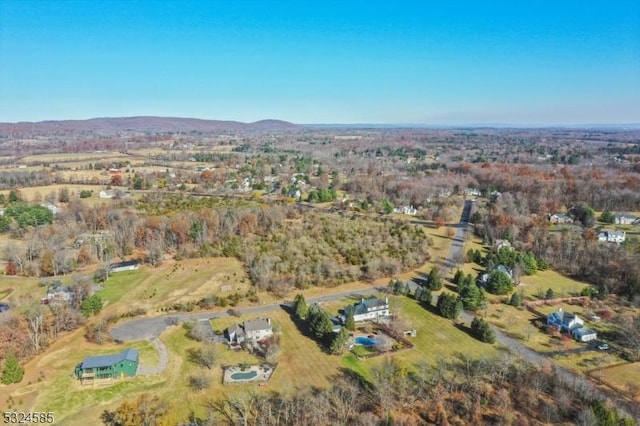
x,y
564,320
113,366
367,309
572,324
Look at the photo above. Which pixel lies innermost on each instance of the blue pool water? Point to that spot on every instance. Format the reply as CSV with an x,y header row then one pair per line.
x,y
365,341
244,376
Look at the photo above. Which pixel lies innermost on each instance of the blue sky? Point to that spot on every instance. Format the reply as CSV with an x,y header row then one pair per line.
x,y
445,62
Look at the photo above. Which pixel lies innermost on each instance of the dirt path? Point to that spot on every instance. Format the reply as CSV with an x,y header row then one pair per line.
x,y
163,360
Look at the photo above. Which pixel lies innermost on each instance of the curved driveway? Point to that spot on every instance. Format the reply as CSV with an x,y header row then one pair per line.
x,y
151,328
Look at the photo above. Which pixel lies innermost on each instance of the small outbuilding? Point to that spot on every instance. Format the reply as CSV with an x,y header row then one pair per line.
x,y
130,265
584,334
113,366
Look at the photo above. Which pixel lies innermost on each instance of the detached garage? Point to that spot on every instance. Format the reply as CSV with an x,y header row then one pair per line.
x,y
584,334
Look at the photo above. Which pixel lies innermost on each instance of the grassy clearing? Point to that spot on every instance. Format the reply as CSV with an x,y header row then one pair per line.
x,y
534,286
38,193
437,337
15,289
71,156
174,282
625,378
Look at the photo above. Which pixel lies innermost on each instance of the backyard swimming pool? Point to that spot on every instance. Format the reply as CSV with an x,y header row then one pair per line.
x,y
365,341
244,376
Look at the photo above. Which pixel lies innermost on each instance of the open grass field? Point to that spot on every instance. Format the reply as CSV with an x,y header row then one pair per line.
x,y
40,192
624,378
69,156
174,282
14,289
534,286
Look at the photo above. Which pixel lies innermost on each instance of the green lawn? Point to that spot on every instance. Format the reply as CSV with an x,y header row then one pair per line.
x,y
534,286
62,394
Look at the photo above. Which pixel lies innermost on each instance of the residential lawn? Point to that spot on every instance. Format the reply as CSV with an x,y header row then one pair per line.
x,y
437,337
49,384
535,286
576,356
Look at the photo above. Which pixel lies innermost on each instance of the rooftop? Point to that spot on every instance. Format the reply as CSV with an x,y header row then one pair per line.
x,y
109,360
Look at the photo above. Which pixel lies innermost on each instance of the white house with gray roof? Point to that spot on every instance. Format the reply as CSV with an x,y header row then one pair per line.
x,y
367,309
624,218
608,236
251,330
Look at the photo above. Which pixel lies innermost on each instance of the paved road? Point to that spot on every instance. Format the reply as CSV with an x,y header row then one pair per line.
x,y
149,328
575,380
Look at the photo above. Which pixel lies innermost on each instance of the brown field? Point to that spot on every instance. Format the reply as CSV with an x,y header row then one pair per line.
x,y
625,378
66,157
174,282
40,192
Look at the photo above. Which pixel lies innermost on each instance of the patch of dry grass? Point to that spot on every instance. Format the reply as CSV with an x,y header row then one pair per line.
x,y
625,378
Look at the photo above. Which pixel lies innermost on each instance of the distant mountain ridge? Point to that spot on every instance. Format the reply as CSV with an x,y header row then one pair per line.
x,y
111,125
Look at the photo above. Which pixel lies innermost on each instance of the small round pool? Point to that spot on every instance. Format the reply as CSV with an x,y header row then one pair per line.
x,y
365,341
244,376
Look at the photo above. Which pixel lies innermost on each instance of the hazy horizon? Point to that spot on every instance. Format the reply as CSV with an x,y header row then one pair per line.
x,y
409,63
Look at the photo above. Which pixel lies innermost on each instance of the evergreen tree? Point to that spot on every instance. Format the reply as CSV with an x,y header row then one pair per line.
x,y
607,217
515,300
549,294
423,294
449,305
458,277
12,372
435,282
91,305
300,307
482,331
319,323
350,323
529,263
472,296
339,341
499,283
